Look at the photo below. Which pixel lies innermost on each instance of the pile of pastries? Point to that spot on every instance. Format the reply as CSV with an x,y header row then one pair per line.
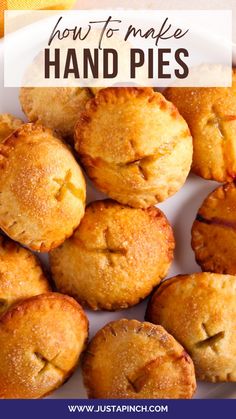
x,y
137,146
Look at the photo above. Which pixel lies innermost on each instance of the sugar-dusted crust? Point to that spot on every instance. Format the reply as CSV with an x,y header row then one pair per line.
x,y
214,231
199,310
42,189
134,360
21,275
41,340
55,107
8,124
134,145
211,116
115,257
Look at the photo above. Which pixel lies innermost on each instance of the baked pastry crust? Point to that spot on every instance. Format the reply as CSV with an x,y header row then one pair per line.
x,y
134,145
199,310
115,257
8,124
134,360
21,275
42,189
55,107
211,116
214,231
41,340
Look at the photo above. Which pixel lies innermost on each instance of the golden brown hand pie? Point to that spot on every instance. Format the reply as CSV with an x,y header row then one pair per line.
x,y
55,107
199,310
134,360
134,145
115,257
8,124
21,275
211,116
42,189
41,340
214,231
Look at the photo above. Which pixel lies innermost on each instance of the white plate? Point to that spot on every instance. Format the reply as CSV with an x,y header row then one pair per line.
x,y
180,210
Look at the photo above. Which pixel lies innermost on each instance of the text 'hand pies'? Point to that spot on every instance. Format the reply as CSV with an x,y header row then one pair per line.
x,y
41,340
211,116
128,359
115,257
199,310
21,275
42,189
214,231
134,145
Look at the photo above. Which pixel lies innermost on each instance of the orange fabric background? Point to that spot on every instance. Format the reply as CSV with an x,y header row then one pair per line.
x,y
3,6
31,5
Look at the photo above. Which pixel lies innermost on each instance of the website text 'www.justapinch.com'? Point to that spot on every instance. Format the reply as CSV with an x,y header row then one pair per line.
x,y
117,408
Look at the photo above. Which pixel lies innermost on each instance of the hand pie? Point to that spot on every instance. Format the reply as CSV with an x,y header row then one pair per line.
x,y
214,231
199,310
55,107
211,116
8,124
134,145
115,257
42,189
128,359
21,275
41,340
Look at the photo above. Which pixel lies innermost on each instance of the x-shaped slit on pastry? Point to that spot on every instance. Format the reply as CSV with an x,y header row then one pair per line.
x,y
138,383
109,251
67,185
138,164
141,377
146,159
218,120
47,362
210,340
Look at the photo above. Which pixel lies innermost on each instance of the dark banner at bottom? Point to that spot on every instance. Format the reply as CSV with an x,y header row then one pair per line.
x,y
38,409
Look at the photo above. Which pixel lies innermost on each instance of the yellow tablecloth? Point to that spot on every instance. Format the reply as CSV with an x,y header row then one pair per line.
x,y
31,5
